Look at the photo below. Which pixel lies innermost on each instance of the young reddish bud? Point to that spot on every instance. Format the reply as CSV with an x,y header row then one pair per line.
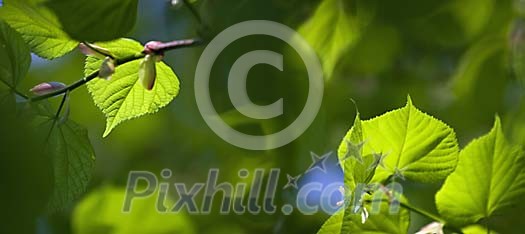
x,y
107,68
47,87
147,71
153,47
88,51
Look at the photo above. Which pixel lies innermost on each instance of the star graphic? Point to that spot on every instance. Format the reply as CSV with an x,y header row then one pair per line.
x,y
354,151
398,173
318,162
292,181
379,159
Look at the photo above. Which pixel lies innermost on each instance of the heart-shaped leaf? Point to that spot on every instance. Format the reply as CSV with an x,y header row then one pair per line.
x,y
38,26
489,178
415,145
123,97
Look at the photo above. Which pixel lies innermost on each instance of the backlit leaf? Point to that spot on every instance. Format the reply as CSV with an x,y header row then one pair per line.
x,y
416,145
489,178
123,97
38,27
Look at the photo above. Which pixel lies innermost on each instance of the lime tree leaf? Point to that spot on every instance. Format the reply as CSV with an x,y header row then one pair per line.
x,y
95,20
15,56
332,30
382,222
489,178
123,97
416,145
101,212
38,26
358,171
72,156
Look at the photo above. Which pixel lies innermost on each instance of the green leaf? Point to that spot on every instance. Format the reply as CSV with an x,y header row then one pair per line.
x,y
489,178
72,156
101,212
332,30
358,171
15,56
383,222
95,20
123,97
38,27
416,145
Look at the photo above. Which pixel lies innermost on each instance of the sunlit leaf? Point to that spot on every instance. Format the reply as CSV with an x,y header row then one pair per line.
x,y
101,212
38,27
123,97
15,56
489,178
333,29
416,145
95,20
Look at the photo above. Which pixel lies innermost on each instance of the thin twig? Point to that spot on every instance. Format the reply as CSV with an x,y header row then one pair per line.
x,y
171,45
55,119
161,48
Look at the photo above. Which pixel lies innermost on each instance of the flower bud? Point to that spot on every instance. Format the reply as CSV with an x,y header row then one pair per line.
x,y
47,87
153,47
147,71
88,51
107,68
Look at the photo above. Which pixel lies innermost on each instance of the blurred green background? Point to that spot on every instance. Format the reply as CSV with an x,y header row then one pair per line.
x,y
458,60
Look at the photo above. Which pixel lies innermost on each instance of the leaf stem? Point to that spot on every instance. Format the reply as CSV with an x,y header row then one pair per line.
x,y
428,215
57,114
13,89
161,48
421,212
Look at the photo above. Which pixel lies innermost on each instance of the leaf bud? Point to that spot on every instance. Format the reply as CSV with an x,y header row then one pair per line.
x,y
47,87
147,71
107,68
